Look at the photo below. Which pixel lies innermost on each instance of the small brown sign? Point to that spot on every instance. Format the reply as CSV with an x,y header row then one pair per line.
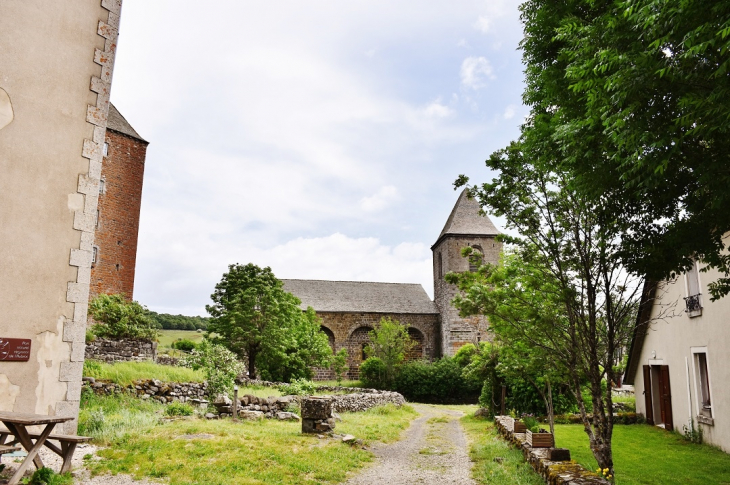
x,y
14,349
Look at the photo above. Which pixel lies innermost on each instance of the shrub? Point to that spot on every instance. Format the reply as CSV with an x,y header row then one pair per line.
x,y
185,345
46,476
118,318
90,336
339,365
298,387
373,373
179,409
220,365
439,381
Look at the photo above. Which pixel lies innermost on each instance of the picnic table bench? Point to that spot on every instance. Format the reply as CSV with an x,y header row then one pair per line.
x,y
16,426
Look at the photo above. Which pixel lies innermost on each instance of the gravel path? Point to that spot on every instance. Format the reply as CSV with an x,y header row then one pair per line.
x,y
434,451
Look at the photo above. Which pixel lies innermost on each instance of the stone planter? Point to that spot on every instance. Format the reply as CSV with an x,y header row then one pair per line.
x,y
540,440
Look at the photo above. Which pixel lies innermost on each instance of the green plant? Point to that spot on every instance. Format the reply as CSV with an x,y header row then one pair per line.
x,y
118,318
693,433
185,345
90,336
438,381
390,342
372,373
46,476
125,373
298,387
179,409
530,422
339,365
92,368
220,365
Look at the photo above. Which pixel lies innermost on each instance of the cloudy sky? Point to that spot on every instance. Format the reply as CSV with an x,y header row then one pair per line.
x,y
320,138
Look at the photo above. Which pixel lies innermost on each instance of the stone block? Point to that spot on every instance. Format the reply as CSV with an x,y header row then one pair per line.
x,y
316,407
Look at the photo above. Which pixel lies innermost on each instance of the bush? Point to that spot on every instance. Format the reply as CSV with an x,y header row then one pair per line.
x,y
440,381
220,365
179,409
46,476
90,336
298,387
373,373
185,345
118,318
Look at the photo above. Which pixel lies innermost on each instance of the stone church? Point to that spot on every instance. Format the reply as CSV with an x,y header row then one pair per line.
x,y
350,309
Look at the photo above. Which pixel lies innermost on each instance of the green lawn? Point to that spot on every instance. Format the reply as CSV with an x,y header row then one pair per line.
x,y
125,373
495,463
199,451
648,455
167,337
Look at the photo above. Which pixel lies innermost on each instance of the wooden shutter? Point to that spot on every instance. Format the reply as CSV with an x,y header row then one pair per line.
x,y
647,395
666,397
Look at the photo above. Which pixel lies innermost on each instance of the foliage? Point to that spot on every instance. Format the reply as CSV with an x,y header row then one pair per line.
x,y
530,422
46,476
179,409
693,433
390,342
220,365
339,365
167,321
631,98
254,317
372,373
125,373
438,381
90,336
680,462
567,297
299,387
118,318
185,345
305,348
275,452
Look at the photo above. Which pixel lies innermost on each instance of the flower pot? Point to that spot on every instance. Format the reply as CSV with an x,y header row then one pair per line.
x,y
540,440
519,427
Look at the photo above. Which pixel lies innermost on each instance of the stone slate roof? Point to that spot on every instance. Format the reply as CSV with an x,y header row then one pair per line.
x,y
361,296
117,122
465,220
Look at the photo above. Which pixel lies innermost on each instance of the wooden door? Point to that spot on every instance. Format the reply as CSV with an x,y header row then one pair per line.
x,y
665,394
647,395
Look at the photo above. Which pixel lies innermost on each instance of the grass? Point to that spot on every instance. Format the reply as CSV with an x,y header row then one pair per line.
x,y
216,452
109,419
343,383
495,462
648,455
167,337
124,373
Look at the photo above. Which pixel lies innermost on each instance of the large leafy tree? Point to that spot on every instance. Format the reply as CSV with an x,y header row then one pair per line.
x,y
570,248
254,317
389,342
632,99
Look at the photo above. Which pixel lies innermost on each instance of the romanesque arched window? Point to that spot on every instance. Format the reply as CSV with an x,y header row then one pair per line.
x,y
476,258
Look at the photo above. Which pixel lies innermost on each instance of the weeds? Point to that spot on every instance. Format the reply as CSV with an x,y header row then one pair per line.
x,y
124,373
179,409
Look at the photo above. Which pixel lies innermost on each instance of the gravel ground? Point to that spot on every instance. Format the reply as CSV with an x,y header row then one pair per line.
x,y
434,451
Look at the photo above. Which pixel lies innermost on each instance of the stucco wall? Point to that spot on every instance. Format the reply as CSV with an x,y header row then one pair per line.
x,y
455,330
669,341
57,60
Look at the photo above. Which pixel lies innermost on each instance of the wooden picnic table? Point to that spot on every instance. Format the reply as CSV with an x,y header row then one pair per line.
x,y
17,424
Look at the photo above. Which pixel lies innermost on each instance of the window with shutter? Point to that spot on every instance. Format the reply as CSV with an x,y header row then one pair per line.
x,y
693,300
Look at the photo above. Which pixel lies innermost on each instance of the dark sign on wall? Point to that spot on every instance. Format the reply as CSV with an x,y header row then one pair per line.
x,y
14,349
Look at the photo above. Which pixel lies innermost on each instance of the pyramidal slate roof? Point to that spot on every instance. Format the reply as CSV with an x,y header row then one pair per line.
x,y
361,296
117,122
465,220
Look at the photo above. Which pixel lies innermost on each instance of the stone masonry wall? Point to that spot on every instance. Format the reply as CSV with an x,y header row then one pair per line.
x,y
121,350
350,331
455,330
117,223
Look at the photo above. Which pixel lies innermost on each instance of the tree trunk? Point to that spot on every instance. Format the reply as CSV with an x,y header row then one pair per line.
x,y
251,365
550,410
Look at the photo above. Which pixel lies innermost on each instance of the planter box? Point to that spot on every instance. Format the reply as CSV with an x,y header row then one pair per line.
x,y
519,427
540,440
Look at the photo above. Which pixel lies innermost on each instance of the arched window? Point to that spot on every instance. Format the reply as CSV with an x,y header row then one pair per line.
x,y
476,258
364,353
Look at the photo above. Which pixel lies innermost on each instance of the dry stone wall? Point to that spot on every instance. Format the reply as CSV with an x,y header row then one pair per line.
x,y
121,350
153,389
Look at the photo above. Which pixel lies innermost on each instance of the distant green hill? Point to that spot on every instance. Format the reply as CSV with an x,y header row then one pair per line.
x,y
178,322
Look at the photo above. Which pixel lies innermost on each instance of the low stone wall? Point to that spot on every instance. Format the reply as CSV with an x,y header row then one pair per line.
x,y
245,381
165,359
164,392
121,350
554,472
363,401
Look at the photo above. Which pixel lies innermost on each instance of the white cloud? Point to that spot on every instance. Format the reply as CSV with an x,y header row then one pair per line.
x,y
483,24
436,109
475,71
379,201
509,112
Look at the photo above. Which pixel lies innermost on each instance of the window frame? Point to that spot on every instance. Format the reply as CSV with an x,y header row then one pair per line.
x,y
696,272
697,377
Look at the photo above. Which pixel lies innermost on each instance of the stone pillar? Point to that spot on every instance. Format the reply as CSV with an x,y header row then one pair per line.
x,y
317,414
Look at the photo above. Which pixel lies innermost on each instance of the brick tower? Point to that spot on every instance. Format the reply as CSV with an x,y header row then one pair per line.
x,y
464,227
120,197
